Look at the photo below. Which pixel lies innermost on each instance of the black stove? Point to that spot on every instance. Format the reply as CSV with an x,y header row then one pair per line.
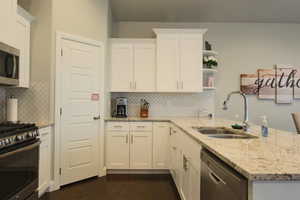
x,y
19,161
16,133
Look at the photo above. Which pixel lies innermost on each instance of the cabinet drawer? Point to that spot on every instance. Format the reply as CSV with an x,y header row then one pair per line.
x,y
44,132
161,124
117,126
141,126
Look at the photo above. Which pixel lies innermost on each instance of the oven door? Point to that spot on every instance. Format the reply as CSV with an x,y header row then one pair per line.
x,y
19,171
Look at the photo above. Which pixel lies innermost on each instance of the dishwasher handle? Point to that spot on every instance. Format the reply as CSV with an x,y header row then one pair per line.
x,y
215,178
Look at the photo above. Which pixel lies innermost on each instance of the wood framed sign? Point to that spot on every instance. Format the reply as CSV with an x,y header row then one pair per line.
x,y
266,83
249,84
297,82
284,85
281,84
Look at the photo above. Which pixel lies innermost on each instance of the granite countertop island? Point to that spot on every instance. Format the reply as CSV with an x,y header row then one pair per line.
x,y
275,158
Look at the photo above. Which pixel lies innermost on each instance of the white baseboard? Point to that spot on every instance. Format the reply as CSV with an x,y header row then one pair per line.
x,y
102,172
53,187
136,171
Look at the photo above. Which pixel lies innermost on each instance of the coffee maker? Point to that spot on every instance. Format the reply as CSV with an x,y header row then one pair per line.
x,y
120,107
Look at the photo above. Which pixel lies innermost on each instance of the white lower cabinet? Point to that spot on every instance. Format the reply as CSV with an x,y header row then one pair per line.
x,y
190,180
117,150
141,150
161,133
194,183
128,145
185,177
143,145
45,160
174,153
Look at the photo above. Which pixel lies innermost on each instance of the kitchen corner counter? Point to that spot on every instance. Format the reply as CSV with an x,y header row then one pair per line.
x,y
44,124
275,158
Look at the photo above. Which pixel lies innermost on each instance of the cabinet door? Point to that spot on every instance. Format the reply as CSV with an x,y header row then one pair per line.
x,y
167,63
23,43
121,67
140,150
8,10
191,62
144,67
194,182
45,158
161,133
175,156
117,150
185,178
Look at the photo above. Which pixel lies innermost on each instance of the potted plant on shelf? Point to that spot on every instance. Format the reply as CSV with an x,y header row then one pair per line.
x,y
210,62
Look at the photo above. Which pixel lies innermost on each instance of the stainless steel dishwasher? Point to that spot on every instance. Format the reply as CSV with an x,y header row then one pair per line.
x,y
219,181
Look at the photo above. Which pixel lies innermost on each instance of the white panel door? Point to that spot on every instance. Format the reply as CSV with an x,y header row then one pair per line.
x,y
117,150
122,67
144,67
79,125
23,43
167,63
140,150
161,133
191,62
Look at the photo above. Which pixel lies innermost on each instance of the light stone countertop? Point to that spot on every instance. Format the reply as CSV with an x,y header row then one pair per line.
x,y
275,158
44,124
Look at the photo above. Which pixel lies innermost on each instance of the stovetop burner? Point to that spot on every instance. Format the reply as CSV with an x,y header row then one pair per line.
x,y
16,133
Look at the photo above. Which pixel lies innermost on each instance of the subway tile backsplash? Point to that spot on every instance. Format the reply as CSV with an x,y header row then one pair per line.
x,y
170,104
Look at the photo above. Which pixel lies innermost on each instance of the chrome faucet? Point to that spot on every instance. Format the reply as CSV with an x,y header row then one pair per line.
x,y
225,107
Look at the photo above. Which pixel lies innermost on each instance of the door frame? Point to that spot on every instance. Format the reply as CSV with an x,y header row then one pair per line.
x,y
60,36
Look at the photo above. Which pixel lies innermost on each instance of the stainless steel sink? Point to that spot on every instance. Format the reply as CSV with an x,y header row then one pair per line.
x,y
223,132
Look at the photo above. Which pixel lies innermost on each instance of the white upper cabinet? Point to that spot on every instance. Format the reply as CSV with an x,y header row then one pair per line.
x,y
144,67
23,44
8,13
133,65
121,67
179,60
190,46
168,71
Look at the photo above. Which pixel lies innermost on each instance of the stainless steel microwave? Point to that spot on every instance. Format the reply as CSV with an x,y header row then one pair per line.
x,y
9,65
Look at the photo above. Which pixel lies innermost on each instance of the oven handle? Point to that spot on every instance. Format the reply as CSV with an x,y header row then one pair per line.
x,y
26,148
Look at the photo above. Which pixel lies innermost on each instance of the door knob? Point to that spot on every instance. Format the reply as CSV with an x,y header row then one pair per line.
x,y
97,118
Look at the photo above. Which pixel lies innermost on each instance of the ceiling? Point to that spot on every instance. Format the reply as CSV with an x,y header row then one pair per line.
x,y
273,11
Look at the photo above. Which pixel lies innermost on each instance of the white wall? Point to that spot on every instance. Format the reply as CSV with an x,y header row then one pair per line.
x,y
243,48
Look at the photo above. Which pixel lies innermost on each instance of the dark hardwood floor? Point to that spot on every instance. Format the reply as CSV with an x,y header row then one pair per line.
x,y
119,187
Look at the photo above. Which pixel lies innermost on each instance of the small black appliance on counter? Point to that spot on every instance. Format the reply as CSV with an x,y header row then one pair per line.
x,y
119,107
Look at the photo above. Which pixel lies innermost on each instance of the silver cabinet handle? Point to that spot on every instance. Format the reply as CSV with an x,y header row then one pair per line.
x,y
170,131
132,139
140,126
97,118
117,126
131,85
135,85
126,139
